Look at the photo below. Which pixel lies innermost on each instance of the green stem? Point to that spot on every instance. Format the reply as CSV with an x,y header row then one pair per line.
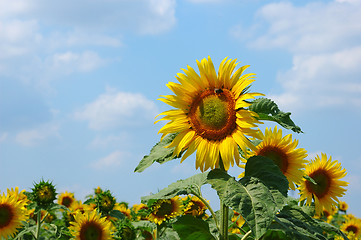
x,y
38,224
224,212
246,235
208,206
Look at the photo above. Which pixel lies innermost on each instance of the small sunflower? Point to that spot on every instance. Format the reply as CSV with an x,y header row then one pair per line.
x,y
238,222
342,206
194,206
326,173
164,209
66,199
283,152
44,193
91,226
352,225
211,115
140,211
12,213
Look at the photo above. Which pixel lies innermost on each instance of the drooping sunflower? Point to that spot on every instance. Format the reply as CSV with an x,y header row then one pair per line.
x,y
164,209
105,201
12,213
283,152
66,199
211,114
328,188
91,226
352,225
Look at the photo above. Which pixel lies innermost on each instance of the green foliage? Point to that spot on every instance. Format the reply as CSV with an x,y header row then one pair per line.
x,y
186,186
189,228
159,153
268,110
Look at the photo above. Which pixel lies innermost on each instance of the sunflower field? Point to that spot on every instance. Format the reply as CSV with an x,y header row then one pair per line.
x,y
216,118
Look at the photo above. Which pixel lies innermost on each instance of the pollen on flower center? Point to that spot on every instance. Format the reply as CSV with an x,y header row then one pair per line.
x,y
212,114
323,183
5,215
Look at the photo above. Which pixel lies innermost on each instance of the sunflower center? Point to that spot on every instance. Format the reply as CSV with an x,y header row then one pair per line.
x,y
91,231
165,208
352,228
323,183
278,156
45,194
6,215
67,201
212,114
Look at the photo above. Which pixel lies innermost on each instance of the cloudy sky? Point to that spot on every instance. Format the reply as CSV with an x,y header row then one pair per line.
x,y
79,82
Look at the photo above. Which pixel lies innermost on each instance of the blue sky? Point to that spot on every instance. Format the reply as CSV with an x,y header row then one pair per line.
x,y
79,83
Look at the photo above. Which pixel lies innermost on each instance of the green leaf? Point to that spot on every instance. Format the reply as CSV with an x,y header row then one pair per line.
x,y
270,174
116,214
159,153
186,186
218,180
268,110
308,178
189,228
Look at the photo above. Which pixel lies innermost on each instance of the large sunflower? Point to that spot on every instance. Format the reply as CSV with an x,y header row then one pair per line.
x,y
328,188
164,209
283,152
211,115
91,226
12,213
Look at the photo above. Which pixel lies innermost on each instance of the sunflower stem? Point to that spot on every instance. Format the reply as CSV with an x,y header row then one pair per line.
x,y
224,212
38,224
246,235
208,206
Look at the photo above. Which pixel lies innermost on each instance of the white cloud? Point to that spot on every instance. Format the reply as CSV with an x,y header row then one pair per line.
x,y
117,109
113,160
3,137
32,137
73,62
324,41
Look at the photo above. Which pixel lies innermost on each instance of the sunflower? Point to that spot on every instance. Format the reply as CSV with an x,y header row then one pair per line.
x,y
283,152
105,201
91,226
326,173
12,213
66,199
123,209
44,193
211,115
194,206
164,209
352,225
342,206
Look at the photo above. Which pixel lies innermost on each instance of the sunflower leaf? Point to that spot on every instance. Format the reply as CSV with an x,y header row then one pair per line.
x,y
159,153
268,110
189,228
186,186
308,178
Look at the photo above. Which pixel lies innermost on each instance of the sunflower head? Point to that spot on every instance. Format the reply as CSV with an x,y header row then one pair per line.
x,y
352,226
342,206
140,211
164,209
194,206
91,226
211,114
66,199
44,193
125,230
105,201
328,188
283,152
12,213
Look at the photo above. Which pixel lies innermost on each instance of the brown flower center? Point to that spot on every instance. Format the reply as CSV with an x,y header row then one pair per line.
x,y
91,231
278,156
323,183
212,114
352,228
67,201
6,215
